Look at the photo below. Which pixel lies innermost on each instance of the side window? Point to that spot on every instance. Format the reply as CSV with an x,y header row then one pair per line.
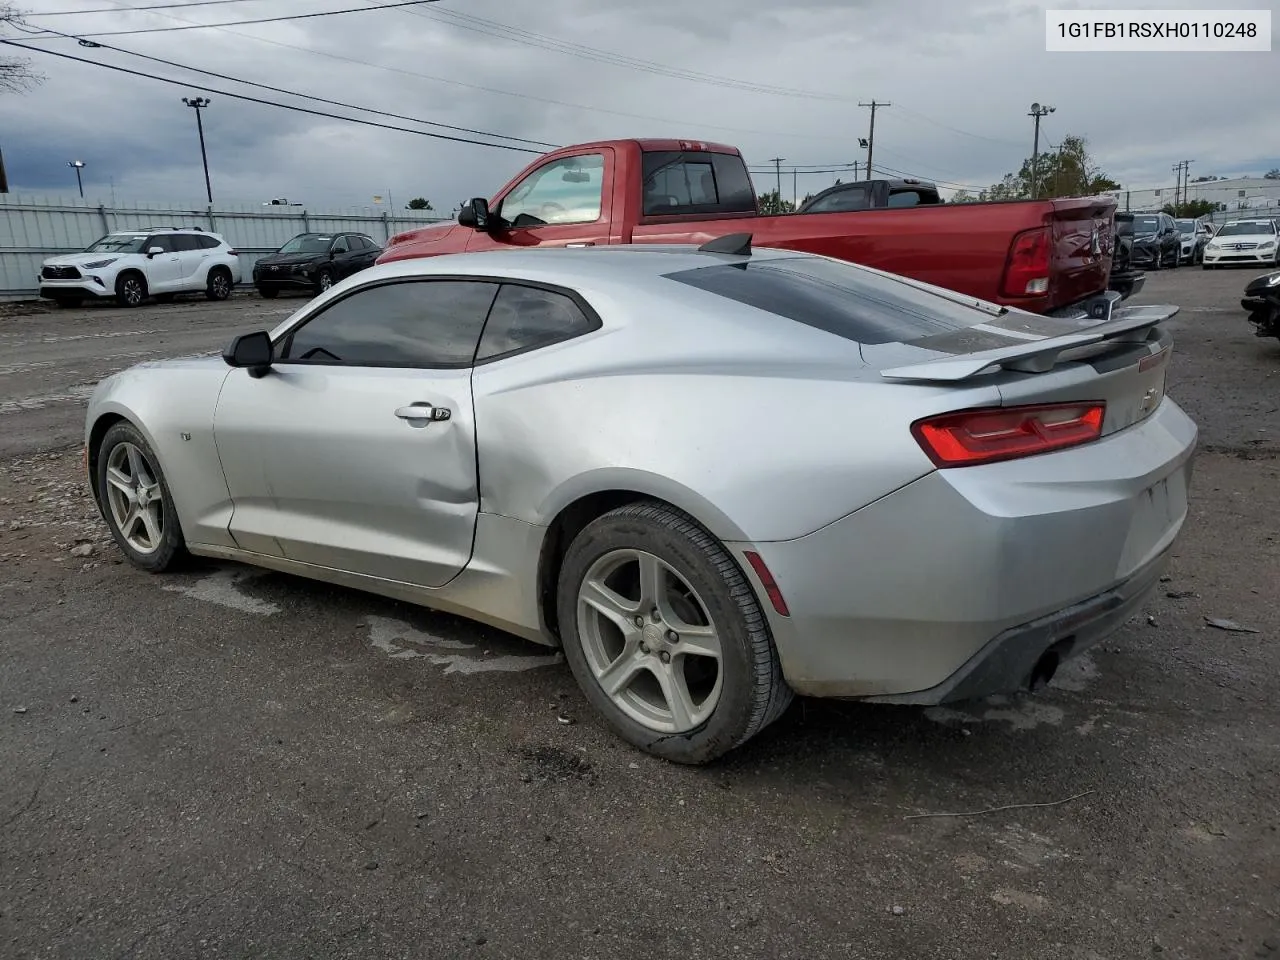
x,y
907,198
526,317
695,181
568,190
162,240
414,323
357,243
340,245
209,243
186,241
850,198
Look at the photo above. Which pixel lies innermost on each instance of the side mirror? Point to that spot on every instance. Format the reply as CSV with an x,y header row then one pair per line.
x,y
475,214
154,252
251,350
333,254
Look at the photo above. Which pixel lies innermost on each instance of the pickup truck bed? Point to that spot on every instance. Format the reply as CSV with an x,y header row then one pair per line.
x,y
1039,255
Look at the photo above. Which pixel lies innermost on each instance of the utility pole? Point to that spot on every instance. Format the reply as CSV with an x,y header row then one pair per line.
x,y
795,188
871,134
198,104
1186,180
777,168
1177,184
78,165
1037,111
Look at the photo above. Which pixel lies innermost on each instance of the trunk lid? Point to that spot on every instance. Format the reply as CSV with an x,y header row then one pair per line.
x,y
1083,239
1119,357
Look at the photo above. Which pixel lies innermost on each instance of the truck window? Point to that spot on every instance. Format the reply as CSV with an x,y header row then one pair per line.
x,y
846,198
567,190
695,182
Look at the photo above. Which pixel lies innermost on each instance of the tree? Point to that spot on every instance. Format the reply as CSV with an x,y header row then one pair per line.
x,y
1272,174
419,203
963,196
770,204
1191,209
1067,171
16,75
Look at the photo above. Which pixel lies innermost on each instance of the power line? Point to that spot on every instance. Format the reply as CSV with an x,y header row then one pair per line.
x,y
307,96
493,90
237,23
270,103
155,6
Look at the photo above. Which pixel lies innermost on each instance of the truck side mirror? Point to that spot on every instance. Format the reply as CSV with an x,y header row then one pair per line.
x,y
475,214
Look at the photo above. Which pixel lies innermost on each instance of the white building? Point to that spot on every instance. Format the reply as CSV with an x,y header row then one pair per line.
x,y
1240,195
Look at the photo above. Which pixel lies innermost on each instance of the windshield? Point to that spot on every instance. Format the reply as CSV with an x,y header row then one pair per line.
x,y
1246,228
117,243
1186,226
307,243
1143,225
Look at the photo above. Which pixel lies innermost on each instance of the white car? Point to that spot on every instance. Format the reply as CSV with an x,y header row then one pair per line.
x,y
1195,236
135,264
1244,241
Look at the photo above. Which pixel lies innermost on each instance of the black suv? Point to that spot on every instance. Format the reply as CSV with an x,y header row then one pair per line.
x,y
1157,242
315,261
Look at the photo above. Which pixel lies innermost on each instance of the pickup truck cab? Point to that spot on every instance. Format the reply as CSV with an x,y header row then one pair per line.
x,y
1038,255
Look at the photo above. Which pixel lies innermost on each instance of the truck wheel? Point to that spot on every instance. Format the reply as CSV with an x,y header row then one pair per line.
x,y
665,635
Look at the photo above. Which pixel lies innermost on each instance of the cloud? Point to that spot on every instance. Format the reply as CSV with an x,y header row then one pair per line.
x,y
959,75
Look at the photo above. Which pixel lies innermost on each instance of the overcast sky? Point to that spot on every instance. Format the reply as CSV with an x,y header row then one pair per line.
x,y
960,75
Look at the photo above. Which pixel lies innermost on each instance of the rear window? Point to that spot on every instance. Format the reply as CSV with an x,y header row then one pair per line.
x,y
689,182
836,297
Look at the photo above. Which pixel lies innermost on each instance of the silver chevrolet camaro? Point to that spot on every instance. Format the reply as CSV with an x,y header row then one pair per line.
x,y
714,476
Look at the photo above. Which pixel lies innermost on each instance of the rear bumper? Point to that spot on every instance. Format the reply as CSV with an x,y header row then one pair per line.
x,y
955,585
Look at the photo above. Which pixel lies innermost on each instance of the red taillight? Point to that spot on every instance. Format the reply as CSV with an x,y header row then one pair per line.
x,y
771,588
1004,433
1027,272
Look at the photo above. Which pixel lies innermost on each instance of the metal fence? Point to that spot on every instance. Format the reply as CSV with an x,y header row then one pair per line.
x,y
33,228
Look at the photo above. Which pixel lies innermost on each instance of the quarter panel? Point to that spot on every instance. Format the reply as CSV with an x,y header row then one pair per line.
x,y
753,452
172,404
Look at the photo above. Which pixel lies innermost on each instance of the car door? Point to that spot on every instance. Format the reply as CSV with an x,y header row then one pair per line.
x,y
191,258
564,202
164,269
366,251
357,450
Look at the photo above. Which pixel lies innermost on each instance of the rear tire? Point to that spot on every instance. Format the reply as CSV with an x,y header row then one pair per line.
x,y
218,286
145,527
131,289
695,598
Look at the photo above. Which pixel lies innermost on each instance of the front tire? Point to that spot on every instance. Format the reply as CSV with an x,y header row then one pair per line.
x,y
136,501
131,290
218,286
324,279
665,635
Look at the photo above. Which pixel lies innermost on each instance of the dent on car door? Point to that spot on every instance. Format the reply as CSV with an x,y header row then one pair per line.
x,y
356,451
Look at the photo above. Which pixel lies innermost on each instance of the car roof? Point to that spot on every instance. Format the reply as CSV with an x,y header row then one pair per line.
x,y
575,265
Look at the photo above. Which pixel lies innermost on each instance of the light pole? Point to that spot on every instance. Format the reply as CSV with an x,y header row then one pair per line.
x,y
198,104
1037,111
78,165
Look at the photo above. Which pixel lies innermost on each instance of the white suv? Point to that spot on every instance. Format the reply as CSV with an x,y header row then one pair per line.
x,y
135,264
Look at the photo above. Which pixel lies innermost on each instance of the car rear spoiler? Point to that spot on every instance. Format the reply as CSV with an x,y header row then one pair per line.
x,y
1127,325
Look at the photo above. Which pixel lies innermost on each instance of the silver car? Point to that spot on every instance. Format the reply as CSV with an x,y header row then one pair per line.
x,y
714,477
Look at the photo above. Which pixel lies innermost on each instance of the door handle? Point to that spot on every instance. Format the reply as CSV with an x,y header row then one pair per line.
x,y
423,411
586,244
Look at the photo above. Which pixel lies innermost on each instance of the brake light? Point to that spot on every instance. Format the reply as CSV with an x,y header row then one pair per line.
x,y
1004,433
1027,271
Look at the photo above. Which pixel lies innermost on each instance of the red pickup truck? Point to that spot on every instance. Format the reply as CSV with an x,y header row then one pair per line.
x,y
1039,255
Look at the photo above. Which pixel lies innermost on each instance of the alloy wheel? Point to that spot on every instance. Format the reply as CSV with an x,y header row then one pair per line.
x,y
649,642
135,498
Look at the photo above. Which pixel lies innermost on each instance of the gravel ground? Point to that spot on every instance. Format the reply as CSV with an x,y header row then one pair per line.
x,y
231,763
